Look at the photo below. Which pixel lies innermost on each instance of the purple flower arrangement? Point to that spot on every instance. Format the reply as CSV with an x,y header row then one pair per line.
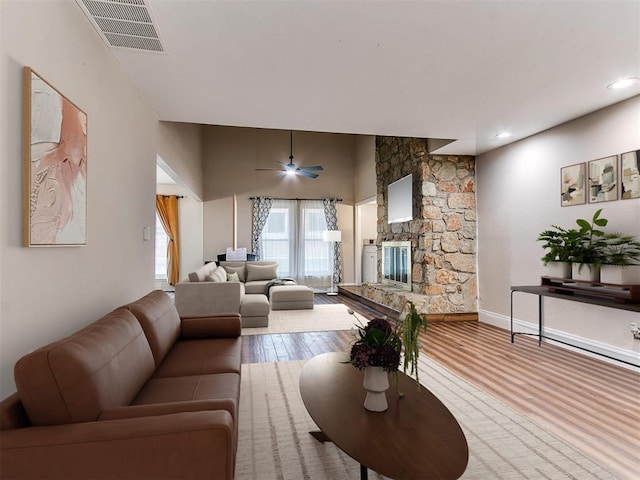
x,y
377,345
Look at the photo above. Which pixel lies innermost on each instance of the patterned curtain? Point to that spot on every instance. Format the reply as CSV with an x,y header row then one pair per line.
x,y
331,216
261,209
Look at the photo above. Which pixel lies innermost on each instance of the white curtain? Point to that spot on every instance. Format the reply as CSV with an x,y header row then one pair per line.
x,y
292,236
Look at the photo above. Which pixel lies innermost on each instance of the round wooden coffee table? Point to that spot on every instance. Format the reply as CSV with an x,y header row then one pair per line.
x,y
417,437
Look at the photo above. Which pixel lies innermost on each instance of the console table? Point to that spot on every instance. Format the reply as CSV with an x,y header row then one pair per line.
x,y
543,291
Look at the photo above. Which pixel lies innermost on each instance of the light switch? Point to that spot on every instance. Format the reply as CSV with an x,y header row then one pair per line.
x,y
146,234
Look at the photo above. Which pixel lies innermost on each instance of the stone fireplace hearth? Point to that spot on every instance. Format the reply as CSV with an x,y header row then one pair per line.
x,y
442,233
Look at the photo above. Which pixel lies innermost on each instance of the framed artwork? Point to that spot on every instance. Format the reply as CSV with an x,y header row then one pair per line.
x,y
572,185
55,166
603,179
630,174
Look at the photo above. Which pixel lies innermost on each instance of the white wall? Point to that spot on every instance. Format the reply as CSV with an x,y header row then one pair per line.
x,y
47,293
518,194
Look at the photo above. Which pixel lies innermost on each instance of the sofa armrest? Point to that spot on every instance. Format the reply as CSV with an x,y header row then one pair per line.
x,y
183,445
206,299
223,326
155,409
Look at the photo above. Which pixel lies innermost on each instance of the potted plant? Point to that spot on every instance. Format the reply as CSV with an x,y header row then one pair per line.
x,y
622,263
560,245
591,249
377,349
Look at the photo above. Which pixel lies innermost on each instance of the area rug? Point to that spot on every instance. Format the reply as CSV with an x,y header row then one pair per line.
x,y
274,443
321,318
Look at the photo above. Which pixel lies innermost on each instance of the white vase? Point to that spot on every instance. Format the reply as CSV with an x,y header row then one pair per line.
x,y
559,269
620,275
376,383
588,272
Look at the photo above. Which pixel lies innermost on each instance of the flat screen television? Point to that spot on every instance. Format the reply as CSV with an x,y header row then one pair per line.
x,y
400,200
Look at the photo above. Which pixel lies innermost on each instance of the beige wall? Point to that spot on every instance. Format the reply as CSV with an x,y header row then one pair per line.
x,y
518,196
230,157
46,293
180,147
364,178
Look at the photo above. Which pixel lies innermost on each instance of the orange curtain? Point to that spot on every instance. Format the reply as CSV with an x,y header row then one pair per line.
x,y
167,207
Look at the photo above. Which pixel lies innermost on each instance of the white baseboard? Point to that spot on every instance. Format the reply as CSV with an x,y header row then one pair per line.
x,y
616,353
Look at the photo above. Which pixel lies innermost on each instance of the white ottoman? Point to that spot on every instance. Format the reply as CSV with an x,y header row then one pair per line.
x,y
254,310
291,297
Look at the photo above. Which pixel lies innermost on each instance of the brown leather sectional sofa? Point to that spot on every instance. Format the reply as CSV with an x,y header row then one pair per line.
x,y
141,393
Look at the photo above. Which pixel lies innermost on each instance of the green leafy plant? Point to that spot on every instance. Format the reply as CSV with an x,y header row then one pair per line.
x,y
560,244
410,323
589,244
622,250
592,248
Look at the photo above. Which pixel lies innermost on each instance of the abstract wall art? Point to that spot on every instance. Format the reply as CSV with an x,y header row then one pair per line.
x,y
603,179
55,166
572,185
630,174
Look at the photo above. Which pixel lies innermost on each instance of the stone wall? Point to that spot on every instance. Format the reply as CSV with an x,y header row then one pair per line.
x,y
443,229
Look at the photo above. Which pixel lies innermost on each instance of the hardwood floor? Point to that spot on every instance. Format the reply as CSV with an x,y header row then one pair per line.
x,y
590,404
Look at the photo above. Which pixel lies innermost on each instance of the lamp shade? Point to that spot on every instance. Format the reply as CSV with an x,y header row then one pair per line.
x,y
332,236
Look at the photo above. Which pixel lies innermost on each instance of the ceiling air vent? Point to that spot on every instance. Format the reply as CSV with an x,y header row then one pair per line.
x,y
124,23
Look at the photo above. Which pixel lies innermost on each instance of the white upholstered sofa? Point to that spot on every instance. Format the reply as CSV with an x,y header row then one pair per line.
x,y
231,287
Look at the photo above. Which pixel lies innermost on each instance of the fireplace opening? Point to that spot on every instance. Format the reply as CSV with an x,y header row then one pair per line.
x,y
396,264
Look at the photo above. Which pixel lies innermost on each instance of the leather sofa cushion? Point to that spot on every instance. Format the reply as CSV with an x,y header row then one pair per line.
x,y
197,357
191,388
104,365
160,321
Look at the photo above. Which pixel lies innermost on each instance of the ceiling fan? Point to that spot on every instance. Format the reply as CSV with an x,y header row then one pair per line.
x,y
291,168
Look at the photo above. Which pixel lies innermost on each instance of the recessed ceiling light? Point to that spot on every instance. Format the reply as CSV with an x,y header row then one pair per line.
x,y
623,83
503,135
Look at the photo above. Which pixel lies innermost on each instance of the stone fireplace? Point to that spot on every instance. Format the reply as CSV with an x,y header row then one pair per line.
x,y
441,236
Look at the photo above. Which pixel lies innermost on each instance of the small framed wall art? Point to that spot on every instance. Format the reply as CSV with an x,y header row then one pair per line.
x,y
55,166
630,174
603,179
572,187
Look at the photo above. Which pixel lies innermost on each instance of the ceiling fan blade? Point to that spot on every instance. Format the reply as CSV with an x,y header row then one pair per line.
x,y
315,167
306,174
268,169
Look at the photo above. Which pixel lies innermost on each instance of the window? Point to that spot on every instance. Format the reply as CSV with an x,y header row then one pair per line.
x,y
292,237
162,240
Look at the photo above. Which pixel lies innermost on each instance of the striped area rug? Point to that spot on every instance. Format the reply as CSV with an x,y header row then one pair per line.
x,y
274,442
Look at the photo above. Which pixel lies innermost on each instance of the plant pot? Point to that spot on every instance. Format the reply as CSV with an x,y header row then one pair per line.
x,y
588,273
559,269
620,275
376,383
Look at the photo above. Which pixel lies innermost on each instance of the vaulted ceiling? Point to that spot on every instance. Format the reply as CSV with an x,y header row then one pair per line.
x,y
460,70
